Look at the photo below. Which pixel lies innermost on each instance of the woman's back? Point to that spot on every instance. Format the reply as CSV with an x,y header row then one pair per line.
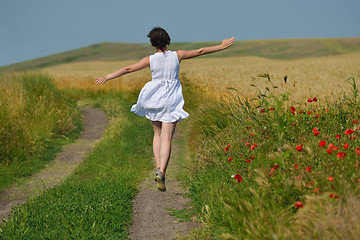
x,y
164,66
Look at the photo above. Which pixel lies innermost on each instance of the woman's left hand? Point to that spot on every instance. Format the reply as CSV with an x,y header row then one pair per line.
x,y
101,80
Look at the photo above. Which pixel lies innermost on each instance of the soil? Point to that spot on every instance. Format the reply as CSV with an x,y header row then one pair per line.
x,y
63,165
152,218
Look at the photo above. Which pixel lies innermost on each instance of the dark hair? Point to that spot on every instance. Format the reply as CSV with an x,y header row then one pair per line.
x,y
159,38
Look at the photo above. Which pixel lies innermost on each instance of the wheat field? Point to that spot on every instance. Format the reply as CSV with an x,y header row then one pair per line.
x,y
323,77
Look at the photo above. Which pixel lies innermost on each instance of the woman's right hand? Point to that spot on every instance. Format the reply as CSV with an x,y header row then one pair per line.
x,y
227,42
101,80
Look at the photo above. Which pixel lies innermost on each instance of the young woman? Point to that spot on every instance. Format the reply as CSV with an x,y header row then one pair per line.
x,y
161,99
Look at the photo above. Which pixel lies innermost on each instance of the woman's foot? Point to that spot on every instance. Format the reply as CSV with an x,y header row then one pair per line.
x,y
160,179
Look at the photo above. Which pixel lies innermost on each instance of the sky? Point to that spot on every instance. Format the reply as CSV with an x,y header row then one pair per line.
x,y
35,28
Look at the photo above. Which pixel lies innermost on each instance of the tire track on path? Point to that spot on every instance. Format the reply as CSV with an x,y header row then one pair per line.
x,y
151,217
55,172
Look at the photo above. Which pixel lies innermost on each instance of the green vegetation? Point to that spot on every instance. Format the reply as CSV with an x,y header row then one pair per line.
x,y
274,49
269,168
35,117
96,201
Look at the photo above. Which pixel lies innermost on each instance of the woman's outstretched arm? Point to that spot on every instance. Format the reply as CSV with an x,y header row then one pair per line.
x,y
143,63
205,50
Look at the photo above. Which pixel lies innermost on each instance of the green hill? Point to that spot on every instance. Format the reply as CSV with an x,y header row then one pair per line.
x,y
274,49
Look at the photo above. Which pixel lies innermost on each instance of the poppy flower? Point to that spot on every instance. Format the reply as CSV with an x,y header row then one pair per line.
x,y
332,195
308,169
322,143
238,177
298,205
309,100
299,147
349,131
335,148
331,179
229,159
329,150
338,136
316,189
316,133
346,146
262,110
296,166
341,155
314,99
309,112
249,160
226,149
357,151
272,109
292,109
352,138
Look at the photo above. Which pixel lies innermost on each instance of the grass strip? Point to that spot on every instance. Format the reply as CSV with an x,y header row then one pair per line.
x,y
96,201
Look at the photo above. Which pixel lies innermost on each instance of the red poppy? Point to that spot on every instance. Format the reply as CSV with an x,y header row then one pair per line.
x,y
352,138
331,178
272,109
298,205
314,99
309,100
335,148
336,196
322,143
346,146
253,146
357,150
308,169
296,166
349,131
338,136
316,189
249,160
276,166
332,195
316,133
292,109
341,155
299,147
238,177
226,149
229,159
262,110
309,112
329,150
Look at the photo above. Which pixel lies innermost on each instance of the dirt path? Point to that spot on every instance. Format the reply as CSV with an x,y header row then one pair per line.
x,y
151,219
56,172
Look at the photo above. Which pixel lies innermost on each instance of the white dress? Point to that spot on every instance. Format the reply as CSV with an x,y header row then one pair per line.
x,y
161,98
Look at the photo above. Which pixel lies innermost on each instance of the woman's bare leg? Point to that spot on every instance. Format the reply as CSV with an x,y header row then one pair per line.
x,y
157,142
167,132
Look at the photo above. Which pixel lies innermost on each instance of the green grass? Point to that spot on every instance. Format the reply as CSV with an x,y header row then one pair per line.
x,y
95,202
35,119
274,49
262,147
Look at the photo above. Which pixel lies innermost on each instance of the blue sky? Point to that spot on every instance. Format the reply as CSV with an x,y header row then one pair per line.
x,y
34,28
